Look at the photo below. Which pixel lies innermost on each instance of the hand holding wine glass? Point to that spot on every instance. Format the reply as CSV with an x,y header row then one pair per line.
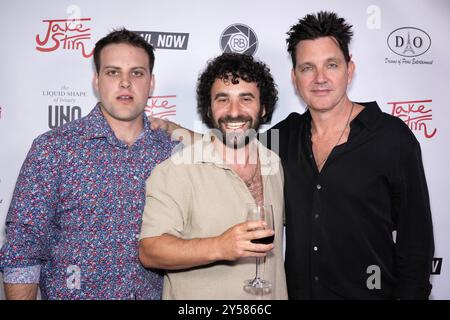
x,y
260,213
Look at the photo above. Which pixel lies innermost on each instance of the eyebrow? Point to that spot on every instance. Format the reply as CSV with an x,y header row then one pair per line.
x,y
244,94
247,94
118,68
220,95
336,59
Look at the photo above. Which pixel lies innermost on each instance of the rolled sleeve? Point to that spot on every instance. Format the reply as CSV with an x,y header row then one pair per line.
x,y
24,275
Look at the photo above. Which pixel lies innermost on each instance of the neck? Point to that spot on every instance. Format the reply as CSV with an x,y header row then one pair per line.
x,y
241,157
126,131
325,122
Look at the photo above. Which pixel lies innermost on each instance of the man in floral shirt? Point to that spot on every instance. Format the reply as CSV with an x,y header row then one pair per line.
x,y
74,220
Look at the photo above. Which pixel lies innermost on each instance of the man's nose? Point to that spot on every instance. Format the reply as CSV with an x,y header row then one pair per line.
x,y
321,76
234,108
125,82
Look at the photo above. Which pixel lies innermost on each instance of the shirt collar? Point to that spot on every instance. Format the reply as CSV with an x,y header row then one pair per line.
x,y
98,127
205,151
367,117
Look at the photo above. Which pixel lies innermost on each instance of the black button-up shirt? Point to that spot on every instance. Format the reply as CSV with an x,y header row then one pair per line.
x,y
340,222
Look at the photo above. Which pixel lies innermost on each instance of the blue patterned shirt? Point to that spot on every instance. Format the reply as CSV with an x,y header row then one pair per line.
x,y
76,212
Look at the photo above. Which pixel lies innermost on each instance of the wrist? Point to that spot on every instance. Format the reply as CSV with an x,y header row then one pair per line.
x,y
215,250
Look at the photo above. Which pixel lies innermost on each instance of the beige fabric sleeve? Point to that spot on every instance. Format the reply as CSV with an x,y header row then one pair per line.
x,y
167,200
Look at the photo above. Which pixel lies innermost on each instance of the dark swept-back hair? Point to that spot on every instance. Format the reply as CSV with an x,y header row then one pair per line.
x,y
123,36
322,24
232,67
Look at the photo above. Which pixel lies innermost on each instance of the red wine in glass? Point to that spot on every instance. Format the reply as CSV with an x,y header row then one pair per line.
x,y
265,240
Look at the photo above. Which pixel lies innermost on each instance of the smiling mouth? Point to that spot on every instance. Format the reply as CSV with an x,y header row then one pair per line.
x,y
235,125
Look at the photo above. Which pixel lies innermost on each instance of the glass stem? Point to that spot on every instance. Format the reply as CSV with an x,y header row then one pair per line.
x,y
258,269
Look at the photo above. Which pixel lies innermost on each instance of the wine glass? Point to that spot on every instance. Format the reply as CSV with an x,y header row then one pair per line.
x,y
258,213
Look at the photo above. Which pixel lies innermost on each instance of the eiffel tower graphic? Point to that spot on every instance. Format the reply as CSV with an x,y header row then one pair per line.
x,y
408,47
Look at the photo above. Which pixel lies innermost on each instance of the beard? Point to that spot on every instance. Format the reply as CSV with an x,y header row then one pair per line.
x,y
233,138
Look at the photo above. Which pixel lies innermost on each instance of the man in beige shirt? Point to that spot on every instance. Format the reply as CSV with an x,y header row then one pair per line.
x,y
194,224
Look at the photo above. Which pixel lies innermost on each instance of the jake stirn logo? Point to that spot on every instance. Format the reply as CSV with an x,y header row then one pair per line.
x,y
239,38
162,107
65,34
417,114
165,40
408,44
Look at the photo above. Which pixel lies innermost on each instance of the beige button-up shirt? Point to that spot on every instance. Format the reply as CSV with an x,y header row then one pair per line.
x,y
194,194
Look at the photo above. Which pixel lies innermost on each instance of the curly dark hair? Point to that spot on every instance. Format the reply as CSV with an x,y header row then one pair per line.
x,y
123,36
322,24
232,67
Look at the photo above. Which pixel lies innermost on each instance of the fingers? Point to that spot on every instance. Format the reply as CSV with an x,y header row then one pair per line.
x,y
259,234
157,123
236,242
260,248
251,237
256,230
252,230
256,250
154,124
253,225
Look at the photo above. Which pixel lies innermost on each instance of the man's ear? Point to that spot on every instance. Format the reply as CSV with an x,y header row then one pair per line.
x,y
351,70
95,81
293,78
152,84
263,113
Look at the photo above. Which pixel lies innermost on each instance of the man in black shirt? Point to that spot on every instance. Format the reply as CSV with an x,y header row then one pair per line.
x,y
353,176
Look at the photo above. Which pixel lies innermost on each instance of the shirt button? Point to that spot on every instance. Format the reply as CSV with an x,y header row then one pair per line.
x,y
316,278
316,216
310,155
318,187
315,248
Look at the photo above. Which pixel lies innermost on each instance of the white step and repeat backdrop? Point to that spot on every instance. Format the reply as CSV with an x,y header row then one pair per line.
x,y
400,49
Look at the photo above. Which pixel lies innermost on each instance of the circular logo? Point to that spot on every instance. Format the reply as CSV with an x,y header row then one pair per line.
x,y
409,41
239,38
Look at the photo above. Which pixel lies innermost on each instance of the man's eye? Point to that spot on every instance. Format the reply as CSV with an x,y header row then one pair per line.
x,y
332,65
137,73
305,69
112,73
